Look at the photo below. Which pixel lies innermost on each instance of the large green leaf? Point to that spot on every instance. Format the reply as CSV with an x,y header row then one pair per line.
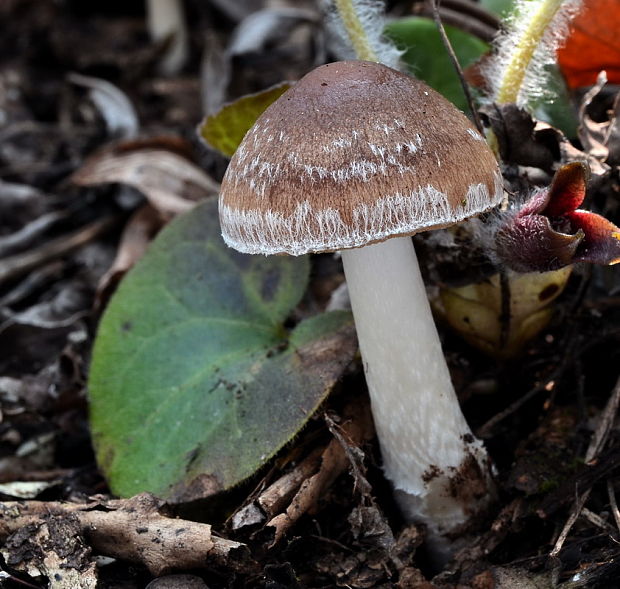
x,y
195,382
225,129
427,57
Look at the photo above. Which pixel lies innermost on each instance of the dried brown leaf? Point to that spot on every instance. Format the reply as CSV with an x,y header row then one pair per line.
x,y
171,182
138,233
114,105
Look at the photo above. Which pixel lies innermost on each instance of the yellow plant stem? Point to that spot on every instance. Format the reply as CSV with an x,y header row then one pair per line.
x,y
520,59
355,30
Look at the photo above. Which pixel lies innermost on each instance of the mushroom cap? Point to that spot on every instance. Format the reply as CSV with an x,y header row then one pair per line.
x,y
354,153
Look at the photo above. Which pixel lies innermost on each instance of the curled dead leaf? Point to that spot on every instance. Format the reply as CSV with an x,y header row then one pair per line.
x,y
170,181
114,105
601,139
137,234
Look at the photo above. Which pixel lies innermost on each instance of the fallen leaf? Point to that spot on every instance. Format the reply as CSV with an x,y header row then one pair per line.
x,y
475,310
171,182
593,44
114,105
517,136
138,233
25,489
600,139
225,129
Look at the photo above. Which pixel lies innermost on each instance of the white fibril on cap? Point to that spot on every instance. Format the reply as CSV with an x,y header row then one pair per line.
x,y
357,157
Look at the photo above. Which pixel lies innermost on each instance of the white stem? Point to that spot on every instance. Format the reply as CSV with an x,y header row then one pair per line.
x,y
439,470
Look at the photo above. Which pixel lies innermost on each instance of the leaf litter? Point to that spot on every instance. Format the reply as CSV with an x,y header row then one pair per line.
x,y
65,247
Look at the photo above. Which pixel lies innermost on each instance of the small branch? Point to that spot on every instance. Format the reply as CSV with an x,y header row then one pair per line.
x,y
276,496
465,20
471,9
486,429
15,266
135,530
613,503
457,67
334,461
29,233
570,522
599,438
601,434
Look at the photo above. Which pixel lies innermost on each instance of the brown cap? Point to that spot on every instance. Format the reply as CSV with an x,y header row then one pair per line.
x,y
354,153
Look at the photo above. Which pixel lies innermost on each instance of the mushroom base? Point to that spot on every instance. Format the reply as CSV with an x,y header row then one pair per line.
x,y
439,471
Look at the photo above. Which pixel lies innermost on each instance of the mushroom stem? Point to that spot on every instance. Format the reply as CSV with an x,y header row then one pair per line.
x,y
439,471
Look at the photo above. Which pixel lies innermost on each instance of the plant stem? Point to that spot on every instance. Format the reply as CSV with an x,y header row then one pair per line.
x,y
355,30
520,59
457,66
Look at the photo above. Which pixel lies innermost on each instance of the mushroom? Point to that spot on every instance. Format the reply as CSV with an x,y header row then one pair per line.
x,y
358,157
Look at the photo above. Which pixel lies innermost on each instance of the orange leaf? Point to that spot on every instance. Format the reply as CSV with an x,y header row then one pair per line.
x,y
593,44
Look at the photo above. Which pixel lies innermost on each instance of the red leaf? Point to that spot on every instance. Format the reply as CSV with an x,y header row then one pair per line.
x,y
593,44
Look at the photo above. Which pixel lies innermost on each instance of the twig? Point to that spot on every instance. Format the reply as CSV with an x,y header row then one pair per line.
x,y
599,438
270,501
457,66
28,233
464,22
334,461
275,497
15,266
597,520
587,476
570,522
135,530
474,10
613,503
606,422
486,429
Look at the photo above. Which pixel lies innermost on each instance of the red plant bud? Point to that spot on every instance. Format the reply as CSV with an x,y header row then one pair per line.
x,y
548,232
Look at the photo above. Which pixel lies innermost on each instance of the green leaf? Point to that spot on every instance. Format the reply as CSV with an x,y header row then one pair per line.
x,y
427,58
225,129
555,107
499,7
195,383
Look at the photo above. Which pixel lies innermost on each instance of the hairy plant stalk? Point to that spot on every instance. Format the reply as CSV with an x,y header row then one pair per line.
x,y
535,31
357,26
355,30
